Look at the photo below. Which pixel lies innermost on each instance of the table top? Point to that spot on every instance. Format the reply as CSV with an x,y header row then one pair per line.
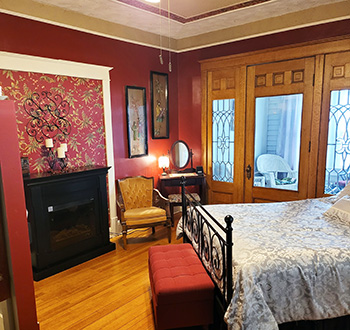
x,y
179,175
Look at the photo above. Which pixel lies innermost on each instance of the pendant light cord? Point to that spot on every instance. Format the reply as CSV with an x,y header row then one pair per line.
x,y
160,34
169,35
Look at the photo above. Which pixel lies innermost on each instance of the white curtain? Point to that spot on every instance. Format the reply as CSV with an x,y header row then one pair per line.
x,y
288,142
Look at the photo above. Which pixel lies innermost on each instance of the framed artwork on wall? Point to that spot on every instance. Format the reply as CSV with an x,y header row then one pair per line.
x,y
160,105
136,118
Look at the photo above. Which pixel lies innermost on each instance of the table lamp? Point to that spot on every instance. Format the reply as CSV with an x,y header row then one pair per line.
x,y
163,162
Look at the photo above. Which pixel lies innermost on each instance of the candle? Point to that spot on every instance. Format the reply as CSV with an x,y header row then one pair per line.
x,y
60,153
64,147
0,91
48,143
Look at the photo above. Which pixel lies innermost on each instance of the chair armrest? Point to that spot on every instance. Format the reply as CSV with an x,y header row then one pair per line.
x,y
160,201
120,202
294,174
270,179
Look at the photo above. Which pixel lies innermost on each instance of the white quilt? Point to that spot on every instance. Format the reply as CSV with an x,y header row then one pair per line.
x,y
290,262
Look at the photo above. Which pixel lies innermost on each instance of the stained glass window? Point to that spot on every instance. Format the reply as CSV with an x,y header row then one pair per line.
x,y
223,140
338,146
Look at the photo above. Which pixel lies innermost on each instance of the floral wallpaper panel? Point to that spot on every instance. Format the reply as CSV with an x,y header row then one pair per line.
x,y
76,107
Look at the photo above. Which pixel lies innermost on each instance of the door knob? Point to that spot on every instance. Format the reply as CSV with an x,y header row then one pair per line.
x,y
249,172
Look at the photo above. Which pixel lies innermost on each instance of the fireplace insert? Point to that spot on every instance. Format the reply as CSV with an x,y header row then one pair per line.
x,y
67,219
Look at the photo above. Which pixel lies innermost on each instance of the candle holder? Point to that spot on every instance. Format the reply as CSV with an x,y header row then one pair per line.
x,y
57,160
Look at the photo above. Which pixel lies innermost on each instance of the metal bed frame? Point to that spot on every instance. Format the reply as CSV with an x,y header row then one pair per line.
x,y
193,219
207,251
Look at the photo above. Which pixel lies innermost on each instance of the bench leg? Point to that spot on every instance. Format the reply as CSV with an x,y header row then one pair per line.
x,y
172,214
169,233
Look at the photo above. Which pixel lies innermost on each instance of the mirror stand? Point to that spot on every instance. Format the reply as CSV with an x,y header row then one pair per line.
x,y
180,156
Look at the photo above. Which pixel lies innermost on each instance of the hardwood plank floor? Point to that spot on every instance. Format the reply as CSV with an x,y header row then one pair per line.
x,y
109,292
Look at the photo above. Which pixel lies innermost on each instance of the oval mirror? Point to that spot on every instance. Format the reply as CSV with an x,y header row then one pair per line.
x,y
180,154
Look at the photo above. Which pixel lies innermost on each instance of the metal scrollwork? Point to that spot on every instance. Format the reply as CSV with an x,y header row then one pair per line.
x,y
213,248
217,262
48,116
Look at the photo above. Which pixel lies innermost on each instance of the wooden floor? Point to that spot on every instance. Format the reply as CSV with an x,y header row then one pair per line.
x,y
109,292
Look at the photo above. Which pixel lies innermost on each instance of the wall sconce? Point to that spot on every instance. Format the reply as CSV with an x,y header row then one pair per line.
x,y
163,162
60,161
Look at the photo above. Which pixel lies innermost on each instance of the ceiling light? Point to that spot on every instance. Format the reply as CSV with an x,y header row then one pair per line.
x,y
153,1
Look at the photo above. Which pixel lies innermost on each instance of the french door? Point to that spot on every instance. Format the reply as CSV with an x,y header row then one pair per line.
x,y
276,126
278,123
225,135
334,155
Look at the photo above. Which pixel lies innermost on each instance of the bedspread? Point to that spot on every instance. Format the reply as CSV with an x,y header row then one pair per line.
x,y
290,262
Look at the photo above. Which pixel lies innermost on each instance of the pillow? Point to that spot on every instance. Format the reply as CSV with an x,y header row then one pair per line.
x,y
340,209
342,193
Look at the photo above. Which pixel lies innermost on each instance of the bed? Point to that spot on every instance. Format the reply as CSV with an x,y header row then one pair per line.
x,y
274,263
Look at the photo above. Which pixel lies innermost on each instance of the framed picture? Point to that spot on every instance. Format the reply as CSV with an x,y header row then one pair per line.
x,y
160,105
25,166
136,117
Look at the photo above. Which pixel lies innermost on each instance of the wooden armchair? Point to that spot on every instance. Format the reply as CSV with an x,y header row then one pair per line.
x,y
141,205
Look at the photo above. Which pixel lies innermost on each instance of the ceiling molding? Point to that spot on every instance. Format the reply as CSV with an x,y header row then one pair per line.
x,y
159,11
39,11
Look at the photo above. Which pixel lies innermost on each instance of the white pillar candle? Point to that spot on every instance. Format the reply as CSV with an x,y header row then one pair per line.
x,y
48,143
0,91
64,147
60,152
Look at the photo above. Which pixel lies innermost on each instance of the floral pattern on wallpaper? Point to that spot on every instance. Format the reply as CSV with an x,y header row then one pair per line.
x,y
83,108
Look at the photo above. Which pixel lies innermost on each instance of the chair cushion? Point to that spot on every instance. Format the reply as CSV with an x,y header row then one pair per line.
x,y
177,198
144,215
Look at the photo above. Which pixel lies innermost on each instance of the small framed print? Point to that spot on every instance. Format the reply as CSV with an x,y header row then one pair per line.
x,y
25,166
160,105
136,118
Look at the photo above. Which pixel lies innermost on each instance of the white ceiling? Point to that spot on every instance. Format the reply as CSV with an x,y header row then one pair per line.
x,y
192,23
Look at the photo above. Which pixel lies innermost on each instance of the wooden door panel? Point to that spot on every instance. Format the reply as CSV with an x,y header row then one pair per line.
x,y
276,79
223,85
336,77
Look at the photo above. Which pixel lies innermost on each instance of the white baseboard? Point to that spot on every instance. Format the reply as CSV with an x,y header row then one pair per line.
x,y
115,228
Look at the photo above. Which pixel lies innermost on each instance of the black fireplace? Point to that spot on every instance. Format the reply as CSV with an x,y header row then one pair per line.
x,y
67,219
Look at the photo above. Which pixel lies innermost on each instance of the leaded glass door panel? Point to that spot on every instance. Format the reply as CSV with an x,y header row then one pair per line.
x,y
334,157
279,112
225,127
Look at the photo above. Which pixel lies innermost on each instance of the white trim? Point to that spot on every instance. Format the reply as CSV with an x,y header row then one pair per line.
x,y
17,62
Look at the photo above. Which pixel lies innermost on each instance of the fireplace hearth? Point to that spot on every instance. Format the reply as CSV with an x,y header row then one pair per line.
x,y
67,219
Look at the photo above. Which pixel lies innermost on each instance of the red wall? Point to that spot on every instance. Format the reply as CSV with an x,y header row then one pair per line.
x,y
132,65
15,210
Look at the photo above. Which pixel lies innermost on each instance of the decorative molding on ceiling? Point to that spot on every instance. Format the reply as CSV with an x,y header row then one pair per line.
x,y
180,19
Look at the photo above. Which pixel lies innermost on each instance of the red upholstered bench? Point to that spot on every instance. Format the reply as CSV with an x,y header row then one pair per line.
x,y
182,291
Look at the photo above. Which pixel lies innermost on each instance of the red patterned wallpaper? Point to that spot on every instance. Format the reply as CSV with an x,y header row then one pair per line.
x,y
81,109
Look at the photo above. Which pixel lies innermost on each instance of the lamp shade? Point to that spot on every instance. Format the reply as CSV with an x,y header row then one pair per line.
x,y
163,161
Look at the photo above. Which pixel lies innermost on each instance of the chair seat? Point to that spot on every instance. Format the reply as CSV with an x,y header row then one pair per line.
x,y
144,215
177,198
